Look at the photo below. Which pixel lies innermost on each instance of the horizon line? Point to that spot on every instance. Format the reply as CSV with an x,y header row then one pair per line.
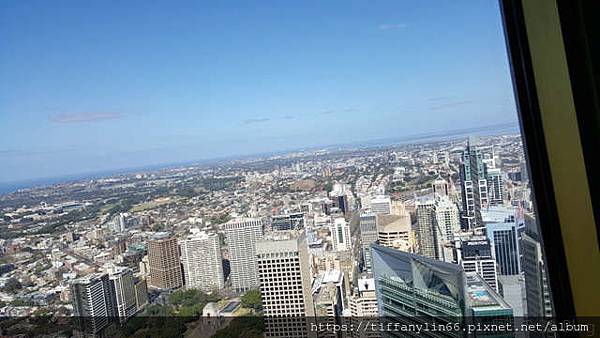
x,y
371,143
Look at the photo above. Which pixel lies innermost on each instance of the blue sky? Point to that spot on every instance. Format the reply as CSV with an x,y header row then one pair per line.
x,y
94,86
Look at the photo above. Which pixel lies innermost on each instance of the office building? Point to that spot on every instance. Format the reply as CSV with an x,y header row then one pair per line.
x,y
340,235
537,289
495,186
484,304
327,308
285,283
505,241
395,231
242,234
363,309
381,205
339,199
476,256
363,302
163,262
413,289
202,261
292,221
368,236
473,184
512,289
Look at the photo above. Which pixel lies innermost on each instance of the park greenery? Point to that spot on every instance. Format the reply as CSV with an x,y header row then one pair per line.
x,y
252,300
169,320
245,327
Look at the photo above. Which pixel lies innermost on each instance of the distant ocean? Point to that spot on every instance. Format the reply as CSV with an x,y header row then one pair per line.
x,y
8,187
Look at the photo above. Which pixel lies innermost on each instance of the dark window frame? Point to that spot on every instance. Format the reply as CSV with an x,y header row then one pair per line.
x,y
537,158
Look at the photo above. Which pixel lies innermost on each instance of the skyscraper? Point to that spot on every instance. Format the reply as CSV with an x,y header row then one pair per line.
x,y
476,256
92,302
202,261
340,235
141,292
413,289
447,222
504,239
428,234
440,186
242,234
285,282
495,186
121,283
473,184
163,262
437,221
537,289
368,236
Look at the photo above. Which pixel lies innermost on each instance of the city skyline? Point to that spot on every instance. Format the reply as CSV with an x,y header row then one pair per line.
x,y
127,91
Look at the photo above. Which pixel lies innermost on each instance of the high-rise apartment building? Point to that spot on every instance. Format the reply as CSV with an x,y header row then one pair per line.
x,y
242,234
447,218
285,282
121,283
428,234
163,262
141,292
202,261
93,303
447,223
340,235
437,221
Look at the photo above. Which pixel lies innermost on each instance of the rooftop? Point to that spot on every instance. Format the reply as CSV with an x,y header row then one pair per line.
x,y
366,284
481,296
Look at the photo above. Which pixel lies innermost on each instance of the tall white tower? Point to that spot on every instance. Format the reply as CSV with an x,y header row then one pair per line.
x,y
241,234
202,261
